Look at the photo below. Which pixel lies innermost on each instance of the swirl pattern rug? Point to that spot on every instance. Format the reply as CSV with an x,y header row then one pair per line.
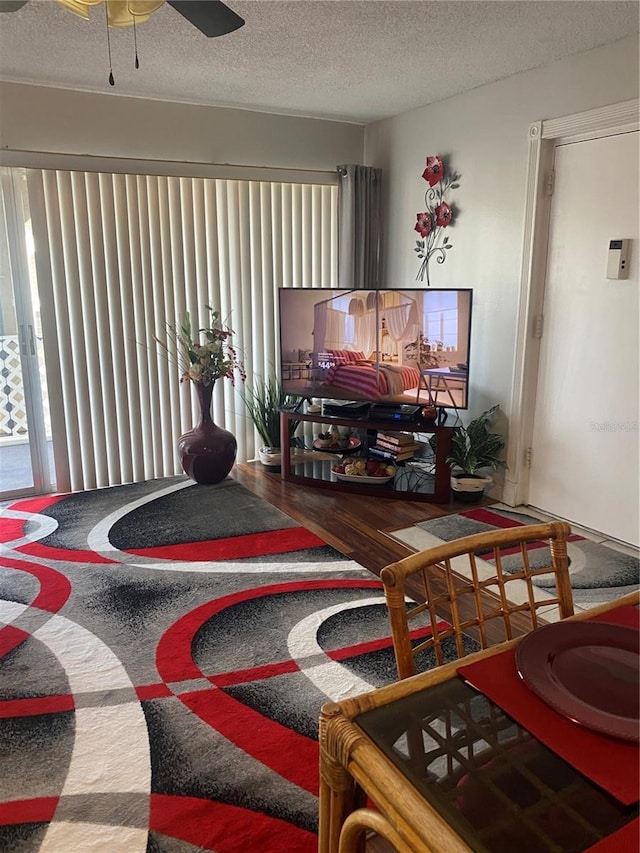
x,y
165,649
600,571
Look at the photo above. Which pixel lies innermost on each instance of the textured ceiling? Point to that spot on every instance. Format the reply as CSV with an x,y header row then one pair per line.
x,y
341,59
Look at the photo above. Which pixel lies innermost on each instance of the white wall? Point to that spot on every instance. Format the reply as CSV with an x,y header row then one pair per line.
x,y
483,134
36,118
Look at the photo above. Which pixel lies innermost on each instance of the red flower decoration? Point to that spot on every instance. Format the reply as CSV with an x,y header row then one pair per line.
x,y
436,216
434,171
444,214
424,224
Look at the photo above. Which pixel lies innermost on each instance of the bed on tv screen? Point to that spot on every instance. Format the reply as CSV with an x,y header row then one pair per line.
x,y
395,346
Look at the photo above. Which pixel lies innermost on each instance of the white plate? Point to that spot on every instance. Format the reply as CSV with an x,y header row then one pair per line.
x,y
363,480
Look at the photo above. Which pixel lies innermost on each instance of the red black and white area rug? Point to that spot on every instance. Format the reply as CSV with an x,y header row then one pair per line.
x,y
165,649
600,570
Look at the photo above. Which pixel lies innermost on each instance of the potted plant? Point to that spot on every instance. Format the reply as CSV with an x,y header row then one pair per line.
x,y
474,450
263,399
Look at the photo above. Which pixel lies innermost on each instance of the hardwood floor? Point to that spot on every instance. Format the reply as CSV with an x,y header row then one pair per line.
x,y
356,525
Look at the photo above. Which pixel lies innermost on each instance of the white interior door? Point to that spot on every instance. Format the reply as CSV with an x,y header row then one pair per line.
x,y
585,459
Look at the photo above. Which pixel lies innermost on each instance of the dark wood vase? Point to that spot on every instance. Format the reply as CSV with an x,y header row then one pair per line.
x,y
207,452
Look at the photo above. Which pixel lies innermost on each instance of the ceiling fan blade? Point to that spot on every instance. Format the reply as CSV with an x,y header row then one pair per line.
x,y
211,17
11,5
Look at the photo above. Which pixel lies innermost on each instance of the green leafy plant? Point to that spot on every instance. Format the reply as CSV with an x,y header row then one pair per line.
x,y
474,448
203,355
263,399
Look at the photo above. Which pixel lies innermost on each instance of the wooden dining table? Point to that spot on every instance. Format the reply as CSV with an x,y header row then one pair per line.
x,y
435,764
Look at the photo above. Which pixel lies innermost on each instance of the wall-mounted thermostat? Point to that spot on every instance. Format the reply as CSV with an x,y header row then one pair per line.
x,y
618,259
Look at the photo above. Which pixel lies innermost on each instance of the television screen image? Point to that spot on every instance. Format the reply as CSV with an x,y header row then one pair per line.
x,y
392,346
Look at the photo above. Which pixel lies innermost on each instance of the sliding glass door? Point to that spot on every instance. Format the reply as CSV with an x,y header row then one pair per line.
x,y
117,258
26,462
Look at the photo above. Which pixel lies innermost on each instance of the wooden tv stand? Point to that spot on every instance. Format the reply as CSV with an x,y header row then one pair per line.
x,y
308,468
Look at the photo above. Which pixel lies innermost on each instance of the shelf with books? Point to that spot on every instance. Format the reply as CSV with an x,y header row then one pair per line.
x,y
400,439
397,454
397,447
410,444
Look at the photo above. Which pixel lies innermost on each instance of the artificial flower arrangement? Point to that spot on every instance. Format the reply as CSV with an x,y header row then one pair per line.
x,y
438,215
213,358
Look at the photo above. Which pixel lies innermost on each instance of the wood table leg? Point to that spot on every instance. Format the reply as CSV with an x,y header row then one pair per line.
x,y
337,787
337,790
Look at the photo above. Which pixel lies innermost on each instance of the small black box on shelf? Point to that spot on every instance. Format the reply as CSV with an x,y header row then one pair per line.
x,y
402,412
347,408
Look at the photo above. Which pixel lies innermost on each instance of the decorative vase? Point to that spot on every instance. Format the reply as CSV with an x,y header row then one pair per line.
x,y
207,452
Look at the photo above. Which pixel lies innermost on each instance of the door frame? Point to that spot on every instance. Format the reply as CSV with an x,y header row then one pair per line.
x,y
623,117
29,362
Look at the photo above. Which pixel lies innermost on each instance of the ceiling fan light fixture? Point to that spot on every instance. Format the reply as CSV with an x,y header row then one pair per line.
x,y
212,17
120,13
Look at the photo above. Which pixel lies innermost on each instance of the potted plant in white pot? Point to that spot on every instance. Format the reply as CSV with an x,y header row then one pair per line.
x,y
263,399
474,451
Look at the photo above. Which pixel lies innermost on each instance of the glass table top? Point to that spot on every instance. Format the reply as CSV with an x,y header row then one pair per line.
x,y
497,786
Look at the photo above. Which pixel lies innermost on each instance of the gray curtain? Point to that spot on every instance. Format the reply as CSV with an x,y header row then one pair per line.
x,y
359,193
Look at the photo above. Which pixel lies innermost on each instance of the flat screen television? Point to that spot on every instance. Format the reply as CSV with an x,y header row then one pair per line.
x,y
384,346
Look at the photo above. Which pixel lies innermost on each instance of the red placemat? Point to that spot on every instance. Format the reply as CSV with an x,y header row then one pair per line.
x,y
612,764
625,840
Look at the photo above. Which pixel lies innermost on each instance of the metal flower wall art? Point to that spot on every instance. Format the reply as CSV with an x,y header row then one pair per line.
x,y
437,216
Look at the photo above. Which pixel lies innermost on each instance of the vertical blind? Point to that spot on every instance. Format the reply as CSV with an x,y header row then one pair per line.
x,y
119,258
